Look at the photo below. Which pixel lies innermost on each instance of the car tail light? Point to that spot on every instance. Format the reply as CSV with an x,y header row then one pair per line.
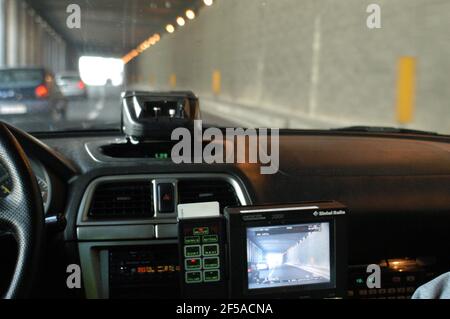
x,y
81,85
41,91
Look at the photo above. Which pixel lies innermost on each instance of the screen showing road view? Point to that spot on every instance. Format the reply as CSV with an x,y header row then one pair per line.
x,y
288,255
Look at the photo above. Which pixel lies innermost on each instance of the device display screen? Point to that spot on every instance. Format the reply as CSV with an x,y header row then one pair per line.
x,y
288,255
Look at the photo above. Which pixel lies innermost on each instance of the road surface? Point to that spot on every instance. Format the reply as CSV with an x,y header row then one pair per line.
x,y
287,275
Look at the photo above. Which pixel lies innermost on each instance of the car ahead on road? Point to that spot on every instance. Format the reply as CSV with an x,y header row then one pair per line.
x,y
71,85
253,273
30,93
262,266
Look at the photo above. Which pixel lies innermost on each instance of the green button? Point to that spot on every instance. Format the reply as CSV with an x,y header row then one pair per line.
x,y
193,264
191,240
211,250
192,251
210,239
211,275
193,277
211,263
201,231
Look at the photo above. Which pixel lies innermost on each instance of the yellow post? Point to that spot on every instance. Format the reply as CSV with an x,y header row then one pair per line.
x,y
406,90
152,80
173,81
216,82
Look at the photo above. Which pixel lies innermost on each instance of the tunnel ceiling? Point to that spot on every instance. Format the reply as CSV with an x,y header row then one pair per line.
x,y
278,243
112,27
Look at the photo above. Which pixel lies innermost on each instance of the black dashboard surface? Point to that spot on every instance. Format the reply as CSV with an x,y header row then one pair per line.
x,y
397,188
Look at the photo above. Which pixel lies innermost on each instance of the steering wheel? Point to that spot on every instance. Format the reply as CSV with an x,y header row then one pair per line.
x,y
21,214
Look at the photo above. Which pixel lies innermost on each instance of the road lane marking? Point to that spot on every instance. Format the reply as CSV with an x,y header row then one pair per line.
x,y
94,114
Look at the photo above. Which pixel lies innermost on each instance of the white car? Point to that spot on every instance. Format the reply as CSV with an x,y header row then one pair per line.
x,y
262,266
71,85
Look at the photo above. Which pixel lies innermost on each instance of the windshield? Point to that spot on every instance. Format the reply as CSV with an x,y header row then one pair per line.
x,y
294,64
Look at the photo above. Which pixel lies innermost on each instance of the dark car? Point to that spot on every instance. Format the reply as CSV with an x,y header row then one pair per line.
x,y
253,273
30,93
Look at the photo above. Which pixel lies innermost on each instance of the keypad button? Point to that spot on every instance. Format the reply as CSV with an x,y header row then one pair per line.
x,y
211,263
392,291
193,277
401,290
410,278
211,275
192,251
192,240
210,250
208,239
193,264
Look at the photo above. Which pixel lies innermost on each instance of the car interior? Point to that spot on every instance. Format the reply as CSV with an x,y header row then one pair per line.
x,y
140,191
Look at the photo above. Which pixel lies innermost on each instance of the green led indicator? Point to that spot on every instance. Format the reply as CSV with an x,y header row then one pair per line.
x,y
161,155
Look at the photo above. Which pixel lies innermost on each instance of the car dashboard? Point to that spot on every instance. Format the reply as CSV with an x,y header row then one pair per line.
x,y
396,188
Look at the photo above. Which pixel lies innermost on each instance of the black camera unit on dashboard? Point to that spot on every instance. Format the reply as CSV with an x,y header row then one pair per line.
x,y
154,115
278,251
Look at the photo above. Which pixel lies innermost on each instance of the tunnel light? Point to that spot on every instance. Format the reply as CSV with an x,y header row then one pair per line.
x,y
190,14
208,2
144,46
170,28
181,22
141,48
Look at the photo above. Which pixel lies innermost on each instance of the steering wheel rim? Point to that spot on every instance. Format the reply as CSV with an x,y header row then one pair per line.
x,y
21,214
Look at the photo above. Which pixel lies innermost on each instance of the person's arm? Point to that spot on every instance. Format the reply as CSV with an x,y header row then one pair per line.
x,y
439,288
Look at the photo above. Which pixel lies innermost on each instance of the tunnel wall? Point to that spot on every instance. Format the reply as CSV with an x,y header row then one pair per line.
x,y
309,63
26,39
254,253
313,253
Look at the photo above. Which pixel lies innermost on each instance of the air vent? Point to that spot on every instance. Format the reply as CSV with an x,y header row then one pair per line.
x,y
198,191
122,200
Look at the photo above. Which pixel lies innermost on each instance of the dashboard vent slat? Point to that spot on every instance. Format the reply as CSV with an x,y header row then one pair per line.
x,y
116,200
216,190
